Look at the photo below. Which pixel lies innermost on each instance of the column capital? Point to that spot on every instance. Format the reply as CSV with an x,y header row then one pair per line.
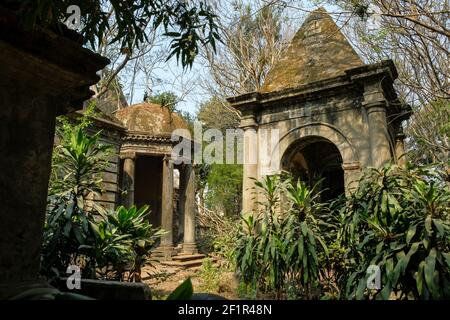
x,y
347,166
248,122
375,106
374,96
168,158
127,155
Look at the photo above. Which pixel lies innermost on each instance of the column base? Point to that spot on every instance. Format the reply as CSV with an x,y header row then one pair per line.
x,y
165,253
190,248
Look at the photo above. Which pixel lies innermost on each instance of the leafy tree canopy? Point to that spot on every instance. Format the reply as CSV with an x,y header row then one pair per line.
x,y
166,99
188,23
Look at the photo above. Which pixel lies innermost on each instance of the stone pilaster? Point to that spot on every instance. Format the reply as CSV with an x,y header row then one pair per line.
x,y
250,165
189,245
400,148
128,178
375,105
166,246
352,171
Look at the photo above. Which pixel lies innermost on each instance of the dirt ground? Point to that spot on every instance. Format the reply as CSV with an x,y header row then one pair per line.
x,y
164,279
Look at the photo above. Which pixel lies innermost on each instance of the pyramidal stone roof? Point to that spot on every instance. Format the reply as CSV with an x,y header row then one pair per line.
x,y
318,51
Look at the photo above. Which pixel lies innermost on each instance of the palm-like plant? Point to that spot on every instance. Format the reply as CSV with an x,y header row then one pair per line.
x,y
278,247
135,224
247,262
302,235
109,251
78,161
398,220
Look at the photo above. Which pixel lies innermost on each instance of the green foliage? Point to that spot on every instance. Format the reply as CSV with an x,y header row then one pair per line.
x,y
210,276
220,237
223,182
224,188
429,132
398,219
78,161
183,292
134,224
108,253
167,99
187,23
78,158
66,229
105,244
277,247
302,235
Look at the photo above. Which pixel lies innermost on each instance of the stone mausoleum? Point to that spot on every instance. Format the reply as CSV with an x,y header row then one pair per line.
x,y
335,114
141,172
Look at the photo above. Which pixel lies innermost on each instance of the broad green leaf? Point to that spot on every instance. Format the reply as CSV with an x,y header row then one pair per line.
x,y
183,292
411,233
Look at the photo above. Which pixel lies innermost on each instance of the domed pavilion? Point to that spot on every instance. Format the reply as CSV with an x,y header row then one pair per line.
x,y
148,175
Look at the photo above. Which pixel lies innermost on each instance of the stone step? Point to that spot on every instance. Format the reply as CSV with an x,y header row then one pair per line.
x,y
183,264
186,257
186,263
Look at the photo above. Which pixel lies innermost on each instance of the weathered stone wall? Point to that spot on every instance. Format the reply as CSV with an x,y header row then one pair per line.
x,y
342,114
111,176
42,74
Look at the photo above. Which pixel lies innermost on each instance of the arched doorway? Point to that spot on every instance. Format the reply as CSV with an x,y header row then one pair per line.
x,y
312,159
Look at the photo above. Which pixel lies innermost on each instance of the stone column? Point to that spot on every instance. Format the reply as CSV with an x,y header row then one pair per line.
x,y
42,75
400,148
189,246
128,178
181,202
375,105
250,164
166,246
352,171
26,141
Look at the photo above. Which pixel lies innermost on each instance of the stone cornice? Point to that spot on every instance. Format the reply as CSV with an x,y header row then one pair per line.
x,y
139,137
253,101
142,138
49,63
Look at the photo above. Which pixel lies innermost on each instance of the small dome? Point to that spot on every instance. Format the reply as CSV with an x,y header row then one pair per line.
x,y
150,118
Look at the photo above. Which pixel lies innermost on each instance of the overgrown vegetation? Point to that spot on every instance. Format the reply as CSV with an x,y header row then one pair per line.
x,y
278,245
397,220
220,236
188,24
110,244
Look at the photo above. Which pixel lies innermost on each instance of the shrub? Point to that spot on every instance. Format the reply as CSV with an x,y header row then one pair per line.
x,y
277,247
210,276
134,225
105,244
220,236
398,220
78,160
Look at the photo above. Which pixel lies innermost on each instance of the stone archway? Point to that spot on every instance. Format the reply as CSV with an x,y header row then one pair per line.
x,y
313,160
315,135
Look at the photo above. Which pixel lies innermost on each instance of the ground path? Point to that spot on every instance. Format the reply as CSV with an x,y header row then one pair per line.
x,y
163,279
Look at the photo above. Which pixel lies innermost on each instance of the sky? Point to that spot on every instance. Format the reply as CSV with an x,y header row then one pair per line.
x,y
185,83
